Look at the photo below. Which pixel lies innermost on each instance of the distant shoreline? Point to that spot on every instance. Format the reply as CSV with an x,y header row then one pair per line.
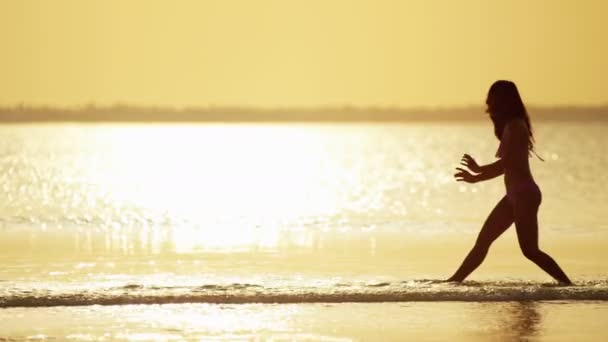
x,y
123,113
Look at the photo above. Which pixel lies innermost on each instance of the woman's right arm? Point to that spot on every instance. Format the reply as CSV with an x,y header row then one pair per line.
x,y
485,172
482,172
490,171
497,168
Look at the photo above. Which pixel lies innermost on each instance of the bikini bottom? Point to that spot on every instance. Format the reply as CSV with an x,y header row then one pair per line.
x,y
525,191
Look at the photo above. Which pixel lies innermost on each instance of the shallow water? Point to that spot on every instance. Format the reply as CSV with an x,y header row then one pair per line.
x,y
278,213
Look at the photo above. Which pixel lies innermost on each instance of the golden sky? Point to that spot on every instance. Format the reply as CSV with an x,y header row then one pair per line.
x,y
300,52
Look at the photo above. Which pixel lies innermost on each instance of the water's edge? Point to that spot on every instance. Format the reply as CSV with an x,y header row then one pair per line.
x,y
407,291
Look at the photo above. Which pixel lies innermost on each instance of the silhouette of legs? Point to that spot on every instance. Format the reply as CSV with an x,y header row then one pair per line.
x,y
526,224
497,222
523,211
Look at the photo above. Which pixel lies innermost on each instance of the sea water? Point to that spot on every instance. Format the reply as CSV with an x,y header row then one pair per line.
x,y
284,220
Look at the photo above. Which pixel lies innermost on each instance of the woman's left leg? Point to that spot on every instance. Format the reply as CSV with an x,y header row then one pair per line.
x,y
525,210
499,220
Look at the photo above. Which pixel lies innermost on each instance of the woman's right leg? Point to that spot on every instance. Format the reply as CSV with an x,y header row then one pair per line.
x,y
497,222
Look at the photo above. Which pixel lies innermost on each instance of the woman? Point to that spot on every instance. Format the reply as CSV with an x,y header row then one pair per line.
x,y
523,197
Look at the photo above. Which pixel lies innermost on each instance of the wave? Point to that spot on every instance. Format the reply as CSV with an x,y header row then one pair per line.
x,y
407,291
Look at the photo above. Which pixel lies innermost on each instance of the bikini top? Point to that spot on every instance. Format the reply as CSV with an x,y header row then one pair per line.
x,y
500,152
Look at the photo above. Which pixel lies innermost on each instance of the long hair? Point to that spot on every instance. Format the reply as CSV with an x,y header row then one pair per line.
x,y
506,105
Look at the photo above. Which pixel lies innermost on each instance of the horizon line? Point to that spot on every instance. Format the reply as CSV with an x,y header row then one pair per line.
x,y
126,113
94,106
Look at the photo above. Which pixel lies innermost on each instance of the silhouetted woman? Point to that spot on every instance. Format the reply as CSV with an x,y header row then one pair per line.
x,y
523,197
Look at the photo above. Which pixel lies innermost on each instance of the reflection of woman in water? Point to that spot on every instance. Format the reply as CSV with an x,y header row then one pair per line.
x,y
523,197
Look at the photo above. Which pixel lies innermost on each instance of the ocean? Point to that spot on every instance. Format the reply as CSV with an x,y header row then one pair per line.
x,y
290,231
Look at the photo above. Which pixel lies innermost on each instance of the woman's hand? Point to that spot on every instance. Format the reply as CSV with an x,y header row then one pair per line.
x,y
470,163
464,176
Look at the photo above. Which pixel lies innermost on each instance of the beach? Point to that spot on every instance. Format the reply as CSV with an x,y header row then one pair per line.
x,y
441,321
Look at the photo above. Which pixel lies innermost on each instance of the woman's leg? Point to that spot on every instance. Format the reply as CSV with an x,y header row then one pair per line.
x,y
497,222
526,223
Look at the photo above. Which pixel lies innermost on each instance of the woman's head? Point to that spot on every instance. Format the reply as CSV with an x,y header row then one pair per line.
x,y
504,104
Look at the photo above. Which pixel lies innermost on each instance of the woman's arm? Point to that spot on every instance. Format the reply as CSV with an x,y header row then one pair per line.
x,y
477,172
486,172
495,169
490,171
514,138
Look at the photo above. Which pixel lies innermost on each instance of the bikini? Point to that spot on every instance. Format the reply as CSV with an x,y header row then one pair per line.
x,y
527,188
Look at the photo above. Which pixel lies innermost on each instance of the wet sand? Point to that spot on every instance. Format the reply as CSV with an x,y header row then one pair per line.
x,y
507,321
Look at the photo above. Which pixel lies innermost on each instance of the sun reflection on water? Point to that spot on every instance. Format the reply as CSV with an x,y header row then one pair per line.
x,y
191,187
265,172
219,190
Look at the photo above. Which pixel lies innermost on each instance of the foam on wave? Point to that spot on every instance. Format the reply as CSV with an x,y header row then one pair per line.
x,y
237,293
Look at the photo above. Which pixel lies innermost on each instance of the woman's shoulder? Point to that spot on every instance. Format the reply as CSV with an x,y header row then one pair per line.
x,y
517,125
